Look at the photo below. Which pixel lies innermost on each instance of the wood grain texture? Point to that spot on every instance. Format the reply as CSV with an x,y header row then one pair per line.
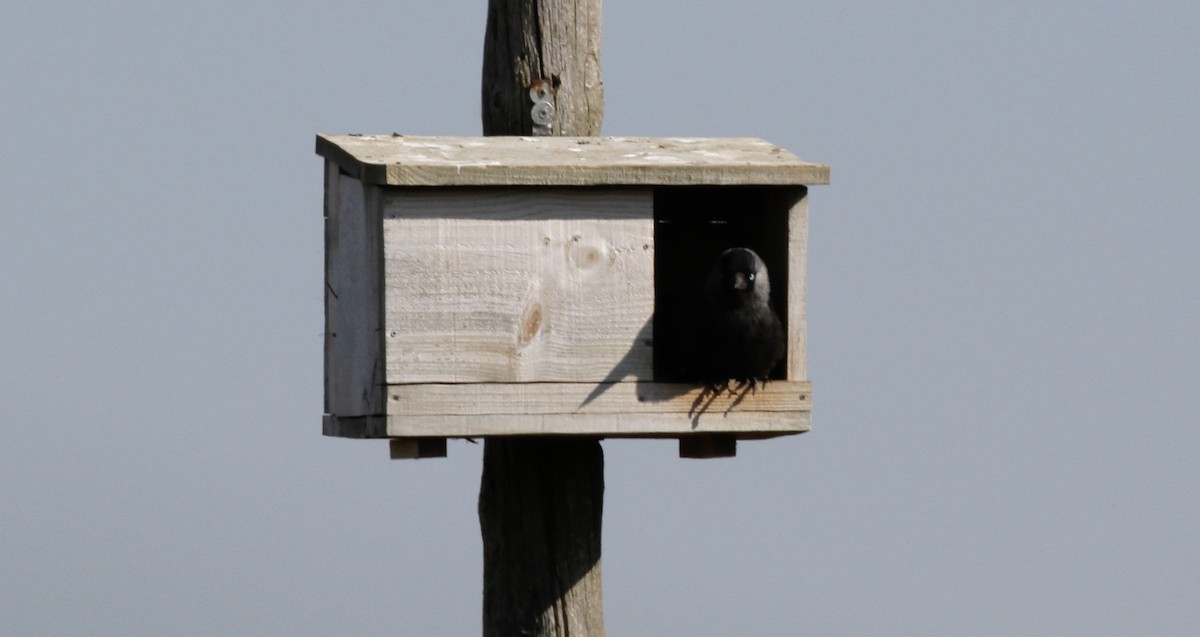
x,y
541,578
797,301
541,500
752,424
548,399
332,179
609,410
353,293
624,411
555,41
567,161
742,424
503,285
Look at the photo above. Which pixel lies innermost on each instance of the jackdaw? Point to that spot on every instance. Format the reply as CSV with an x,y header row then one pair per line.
x,y
725,329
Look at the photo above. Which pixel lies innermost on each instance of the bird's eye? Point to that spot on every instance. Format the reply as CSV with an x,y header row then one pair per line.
x,y
750,276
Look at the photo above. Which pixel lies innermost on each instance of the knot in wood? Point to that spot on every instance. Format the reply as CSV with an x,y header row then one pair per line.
x,y
585,256
531,325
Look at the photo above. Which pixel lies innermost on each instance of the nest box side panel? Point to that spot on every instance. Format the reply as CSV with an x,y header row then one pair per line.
x,y
496,285
797,303
353,286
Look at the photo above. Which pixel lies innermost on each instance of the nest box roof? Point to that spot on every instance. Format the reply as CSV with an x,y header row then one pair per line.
x,y
397,160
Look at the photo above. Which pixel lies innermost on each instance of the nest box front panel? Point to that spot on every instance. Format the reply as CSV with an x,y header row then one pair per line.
x,y
501,285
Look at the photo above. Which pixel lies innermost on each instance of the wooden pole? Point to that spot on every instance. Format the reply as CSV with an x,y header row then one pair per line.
x,y
527,40
541,499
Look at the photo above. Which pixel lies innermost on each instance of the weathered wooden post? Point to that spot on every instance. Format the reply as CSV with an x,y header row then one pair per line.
x,y
541,499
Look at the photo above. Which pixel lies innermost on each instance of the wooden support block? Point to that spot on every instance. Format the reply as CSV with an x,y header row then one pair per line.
x,y
411,448
708,446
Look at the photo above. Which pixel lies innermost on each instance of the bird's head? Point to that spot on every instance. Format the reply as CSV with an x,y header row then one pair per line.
x,y
739,276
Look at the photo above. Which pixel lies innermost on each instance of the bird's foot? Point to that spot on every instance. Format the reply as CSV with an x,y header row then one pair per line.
x,y
744,384
744,388
705,398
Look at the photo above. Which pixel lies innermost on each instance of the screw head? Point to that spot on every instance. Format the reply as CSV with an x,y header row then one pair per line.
x,y
542,113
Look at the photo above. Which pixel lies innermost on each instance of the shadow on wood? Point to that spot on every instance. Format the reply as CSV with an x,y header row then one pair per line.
x,y
629,365
540,508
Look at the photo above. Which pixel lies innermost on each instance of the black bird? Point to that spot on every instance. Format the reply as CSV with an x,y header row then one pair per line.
x,y
727,329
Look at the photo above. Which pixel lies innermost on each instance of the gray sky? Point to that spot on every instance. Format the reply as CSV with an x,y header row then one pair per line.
x,y
1002,338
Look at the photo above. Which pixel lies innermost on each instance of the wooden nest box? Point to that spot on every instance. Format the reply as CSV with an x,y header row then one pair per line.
x,y
507,286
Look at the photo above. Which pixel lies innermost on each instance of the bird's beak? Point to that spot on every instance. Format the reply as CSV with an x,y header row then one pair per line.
x,y
740,282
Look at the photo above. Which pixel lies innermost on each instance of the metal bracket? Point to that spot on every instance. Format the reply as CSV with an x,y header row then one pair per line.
x,y
542,113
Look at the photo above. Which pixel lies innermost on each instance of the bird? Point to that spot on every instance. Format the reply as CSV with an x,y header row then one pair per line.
x,y
724,328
